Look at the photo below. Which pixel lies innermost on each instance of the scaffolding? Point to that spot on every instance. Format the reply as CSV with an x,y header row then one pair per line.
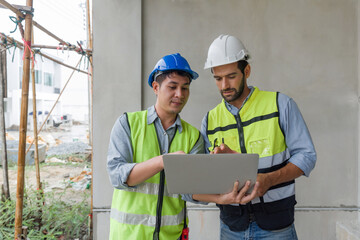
x,y
30,50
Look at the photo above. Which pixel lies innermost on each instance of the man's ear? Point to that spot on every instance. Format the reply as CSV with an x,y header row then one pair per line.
x,y
247,71
156,87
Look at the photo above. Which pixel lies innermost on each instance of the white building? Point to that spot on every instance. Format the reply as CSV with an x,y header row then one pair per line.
x,y
75,98
48,87
67,21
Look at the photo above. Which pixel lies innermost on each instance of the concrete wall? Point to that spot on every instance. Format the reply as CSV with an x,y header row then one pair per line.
x,y
358,62
117,88
305,49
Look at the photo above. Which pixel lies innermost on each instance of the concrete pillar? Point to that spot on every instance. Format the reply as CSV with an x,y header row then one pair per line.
x,y
358,64
117,88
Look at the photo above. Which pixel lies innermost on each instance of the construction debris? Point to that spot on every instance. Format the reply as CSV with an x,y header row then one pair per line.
x,y
69,148
54,160
82,181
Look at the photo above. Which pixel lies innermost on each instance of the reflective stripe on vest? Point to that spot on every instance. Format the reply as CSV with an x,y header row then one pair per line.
x,y
134,209
151,188
276,159
145,219
255,130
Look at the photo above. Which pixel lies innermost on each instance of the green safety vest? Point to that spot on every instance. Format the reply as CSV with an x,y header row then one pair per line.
x,y
255,130
134,210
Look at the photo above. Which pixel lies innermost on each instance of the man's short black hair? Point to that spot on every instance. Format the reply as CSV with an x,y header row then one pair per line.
x,y
166,74
242,65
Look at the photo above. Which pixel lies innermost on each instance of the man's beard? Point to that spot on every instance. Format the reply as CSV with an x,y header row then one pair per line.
x,y
237,93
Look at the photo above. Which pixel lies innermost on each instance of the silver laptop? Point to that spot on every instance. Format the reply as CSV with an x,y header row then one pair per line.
x,y
209,173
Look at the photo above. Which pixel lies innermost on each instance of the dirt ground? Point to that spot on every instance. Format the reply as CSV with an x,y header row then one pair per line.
x,y
53,178
71,177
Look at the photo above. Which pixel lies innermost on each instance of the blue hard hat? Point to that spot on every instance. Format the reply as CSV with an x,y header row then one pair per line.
x,y
172,62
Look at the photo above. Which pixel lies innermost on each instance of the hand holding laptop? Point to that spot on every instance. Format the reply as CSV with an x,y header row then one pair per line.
x,y
236,196
242,196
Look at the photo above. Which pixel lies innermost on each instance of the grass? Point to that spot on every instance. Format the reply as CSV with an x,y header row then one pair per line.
x,y
59,219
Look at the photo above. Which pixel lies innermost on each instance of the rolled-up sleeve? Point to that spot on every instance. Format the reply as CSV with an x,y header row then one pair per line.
x,y
120,154
297,135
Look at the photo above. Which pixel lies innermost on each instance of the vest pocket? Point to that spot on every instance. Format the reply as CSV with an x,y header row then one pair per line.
x,y
261,147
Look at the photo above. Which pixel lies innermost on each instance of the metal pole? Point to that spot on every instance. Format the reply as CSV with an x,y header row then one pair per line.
x,y
23,125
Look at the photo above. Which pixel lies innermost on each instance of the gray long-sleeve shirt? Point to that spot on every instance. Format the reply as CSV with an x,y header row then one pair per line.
x,y
120,152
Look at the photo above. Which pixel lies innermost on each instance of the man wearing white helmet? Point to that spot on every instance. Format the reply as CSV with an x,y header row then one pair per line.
x,y
270,124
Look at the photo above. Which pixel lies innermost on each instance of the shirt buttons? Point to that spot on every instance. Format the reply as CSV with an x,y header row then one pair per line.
x,y
164,133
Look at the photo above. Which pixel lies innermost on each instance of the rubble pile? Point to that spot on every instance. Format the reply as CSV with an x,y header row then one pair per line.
x,y
68,148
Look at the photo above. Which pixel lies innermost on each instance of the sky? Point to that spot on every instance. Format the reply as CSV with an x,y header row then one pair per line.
x,y
65,18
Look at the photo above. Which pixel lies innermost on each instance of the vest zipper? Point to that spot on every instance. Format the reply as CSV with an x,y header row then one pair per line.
x,y
161,193
241,133
243,150
159,206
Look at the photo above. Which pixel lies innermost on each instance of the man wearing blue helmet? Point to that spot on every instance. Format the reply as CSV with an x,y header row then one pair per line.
x,y
141,207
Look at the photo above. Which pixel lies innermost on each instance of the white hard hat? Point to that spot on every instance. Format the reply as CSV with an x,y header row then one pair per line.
x,y
225,49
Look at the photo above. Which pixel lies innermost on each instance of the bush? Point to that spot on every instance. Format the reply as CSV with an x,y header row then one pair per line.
x,y
59,219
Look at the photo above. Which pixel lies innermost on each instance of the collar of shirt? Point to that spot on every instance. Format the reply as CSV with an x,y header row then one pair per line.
x,y
152,117
234,110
